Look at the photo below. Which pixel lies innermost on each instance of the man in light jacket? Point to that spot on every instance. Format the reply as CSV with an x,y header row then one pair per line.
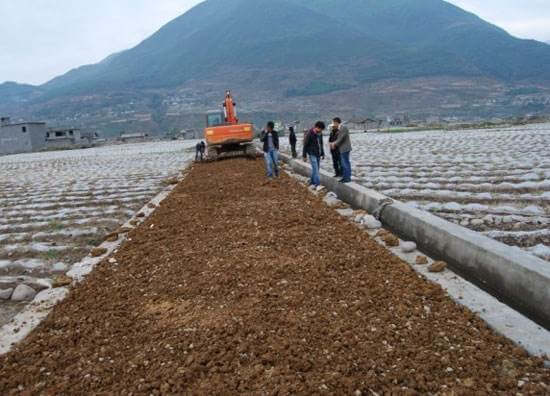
x,y
343,145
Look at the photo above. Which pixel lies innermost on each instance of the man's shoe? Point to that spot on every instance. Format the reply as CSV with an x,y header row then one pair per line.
x,y
345,181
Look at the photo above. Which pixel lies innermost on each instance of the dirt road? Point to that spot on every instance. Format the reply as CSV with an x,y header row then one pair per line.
x,y
235,286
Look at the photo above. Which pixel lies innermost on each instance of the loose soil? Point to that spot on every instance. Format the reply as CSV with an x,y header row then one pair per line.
x,y
238,285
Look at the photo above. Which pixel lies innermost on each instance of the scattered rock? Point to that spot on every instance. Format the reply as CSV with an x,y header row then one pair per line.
x,y
469,383
96,252
170,182
134,222
124,230
345,212
6,294
23,293
140,214
477,222
382,233
358,218
371,223
60,267
151,205
61,281
391,240
112,260
112,237
408,247
438,266
465,223
421,260
331,201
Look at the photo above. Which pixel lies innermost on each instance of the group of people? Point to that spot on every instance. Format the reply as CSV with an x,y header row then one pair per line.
x,y
313,149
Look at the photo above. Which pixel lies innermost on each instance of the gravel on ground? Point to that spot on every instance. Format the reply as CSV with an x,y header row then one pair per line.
x,y
239,285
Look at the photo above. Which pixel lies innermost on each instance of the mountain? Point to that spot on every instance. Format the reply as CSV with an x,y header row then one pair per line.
x,y
369,39
289,50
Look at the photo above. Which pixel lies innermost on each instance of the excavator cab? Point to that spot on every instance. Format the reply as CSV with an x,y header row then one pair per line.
x,y
225,135
214,118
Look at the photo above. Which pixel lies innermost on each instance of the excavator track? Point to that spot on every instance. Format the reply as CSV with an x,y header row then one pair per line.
x,y
247,150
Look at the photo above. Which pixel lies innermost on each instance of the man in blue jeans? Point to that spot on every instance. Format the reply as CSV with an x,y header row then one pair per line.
x,y
313,148
270,139
343,144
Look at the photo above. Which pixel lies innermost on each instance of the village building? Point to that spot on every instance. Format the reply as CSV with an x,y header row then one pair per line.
x,y
22,137
63,138
135,137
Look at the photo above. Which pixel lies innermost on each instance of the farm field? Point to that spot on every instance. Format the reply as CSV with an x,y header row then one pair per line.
x,y
56,206
496,182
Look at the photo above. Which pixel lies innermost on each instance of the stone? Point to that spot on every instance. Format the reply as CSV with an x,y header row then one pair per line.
x,y
134,222
124,230
358,218
408,247
112,237
23,293
469,383
60,267
438,266
391,240
477,222
140,214
382,233
112,261
345,212
170,182
6,294
421,260
151,206
61,281
465,223
371,223
96,252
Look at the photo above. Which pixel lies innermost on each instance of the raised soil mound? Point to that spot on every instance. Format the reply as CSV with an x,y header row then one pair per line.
x,y
237,285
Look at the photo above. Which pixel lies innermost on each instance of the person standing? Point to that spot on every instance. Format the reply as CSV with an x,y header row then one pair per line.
x,y
313,149
198,151
343,144
203,149
270,139
335,153
292,140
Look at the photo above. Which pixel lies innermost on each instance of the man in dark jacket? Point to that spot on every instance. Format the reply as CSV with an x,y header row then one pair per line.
x,y
343,144
270,139
335,153
198,151
313,148
292,140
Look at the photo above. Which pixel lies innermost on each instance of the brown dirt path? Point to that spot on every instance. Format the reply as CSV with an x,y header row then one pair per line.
x,y
238,286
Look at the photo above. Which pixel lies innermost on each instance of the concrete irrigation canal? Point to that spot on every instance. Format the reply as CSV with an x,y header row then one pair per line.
x,y
236,285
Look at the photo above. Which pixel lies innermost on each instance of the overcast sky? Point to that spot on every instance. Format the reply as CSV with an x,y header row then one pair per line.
x,y
40,39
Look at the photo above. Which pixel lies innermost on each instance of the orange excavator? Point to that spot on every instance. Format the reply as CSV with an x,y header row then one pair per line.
x,y
225,136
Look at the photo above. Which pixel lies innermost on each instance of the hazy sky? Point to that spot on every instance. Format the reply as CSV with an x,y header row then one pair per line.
x,y
40,39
